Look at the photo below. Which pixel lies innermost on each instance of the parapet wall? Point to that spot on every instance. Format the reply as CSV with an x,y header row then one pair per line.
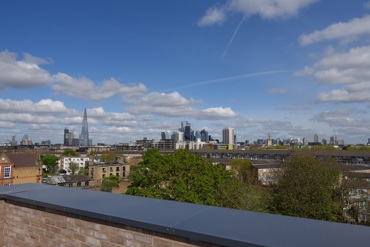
x,y
25,226
35,215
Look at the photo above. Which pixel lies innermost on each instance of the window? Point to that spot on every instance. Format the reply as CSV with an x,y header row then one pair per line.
x,y
104,170
111,169
7,171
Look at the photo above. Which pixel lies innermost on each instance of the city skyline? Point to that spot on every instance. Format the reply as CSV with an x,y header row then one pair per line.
x,y
140,68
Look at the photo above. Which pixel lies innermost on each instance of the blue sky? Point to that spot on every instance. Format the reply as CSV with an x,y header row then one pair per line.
x,y
293,68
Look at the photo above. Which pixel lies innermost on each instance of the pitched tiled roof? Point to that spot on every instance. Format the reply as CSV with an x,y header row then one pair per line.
x,y
24,159
76,178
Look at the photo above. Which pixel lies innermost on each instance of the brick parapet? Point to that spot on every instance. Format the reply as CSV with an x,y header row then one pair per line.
x,y
28,226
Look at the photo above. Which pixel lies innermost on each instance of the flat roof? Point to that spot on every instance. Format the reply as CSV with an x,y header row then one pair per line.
x,y
223,226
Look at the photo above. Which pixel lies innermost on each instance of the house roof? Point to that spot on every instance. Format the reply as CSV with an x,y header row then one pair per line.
x,y
24,159
68,179
76,178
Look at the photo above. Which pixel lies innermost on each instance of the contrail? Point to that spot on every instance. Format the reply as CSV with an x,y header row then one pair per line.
x,y
230,78
232,38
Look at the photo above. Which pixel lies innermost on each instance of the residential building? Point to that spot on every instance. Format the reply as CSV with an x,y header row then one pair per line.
x,y
228,136
6,170
65,161
100,170
27,167
70,180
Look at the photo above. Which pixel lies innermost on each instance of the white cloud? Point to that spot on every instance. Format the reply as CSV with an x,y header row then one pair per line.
x,y
343,123
216,113
344,31
27,106
214,15
6,124
267,9
350,69
23,73
86,89
156,99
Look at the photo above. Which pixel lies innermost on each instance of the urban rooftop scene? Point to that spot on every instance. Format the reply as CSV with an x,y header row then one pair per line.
x,y
184,123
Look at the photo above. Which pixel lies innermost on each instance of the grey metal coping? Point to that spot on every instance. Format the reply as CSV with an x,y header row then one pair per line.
x,y
221,226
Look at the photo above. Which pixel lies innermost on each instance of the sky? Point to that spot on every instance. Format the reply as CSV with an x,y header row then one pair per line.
x,y
291,68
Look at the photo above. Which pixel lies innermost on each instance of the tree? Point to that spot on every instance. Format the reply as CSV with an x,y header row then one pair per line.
x,y
109,183
70,152
306,187
50,161
244,196
109,157
243,170
183,176
73,168
180,176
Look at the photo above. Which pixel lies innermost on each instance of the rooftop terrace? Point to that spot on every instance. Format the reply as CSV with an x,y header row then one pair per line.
x,y
44,215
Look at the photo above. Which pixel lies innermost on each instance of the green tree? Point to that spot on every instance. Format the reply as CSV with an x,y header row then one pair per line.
x,y
109,157
51,162
243,170
244,196
73,168
109,183
70,152
180,176
306,187
183,176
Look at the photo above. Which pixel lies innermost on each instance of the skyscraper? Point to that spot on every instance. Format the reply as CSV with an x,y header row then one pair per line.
x,y
68,137
84,136
228,135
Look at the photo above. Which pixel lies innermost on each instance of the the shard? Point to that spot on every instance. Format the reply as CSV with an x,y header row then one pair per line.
x,y
84,136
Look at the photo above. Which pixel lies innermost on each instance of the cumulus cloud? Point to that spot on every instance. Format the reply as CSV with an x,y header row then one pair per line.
x,y
173,99
86,89
344,31
267,9
343,122
216,113
27,106
170,105
22,73
213,15
348,69
175,105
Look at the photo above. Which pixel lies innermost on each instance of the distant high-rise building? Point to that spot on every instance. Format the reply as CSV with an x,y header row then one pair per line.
x,y
269,140
228,135
332,140
183,125
204,136
84,136
13,142
197,136
68,137
165,135
315,138
187,133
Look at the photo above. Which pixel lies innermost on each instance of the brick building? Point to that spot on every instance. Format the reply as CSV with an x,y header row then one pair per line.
x,y
6,170
27,167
